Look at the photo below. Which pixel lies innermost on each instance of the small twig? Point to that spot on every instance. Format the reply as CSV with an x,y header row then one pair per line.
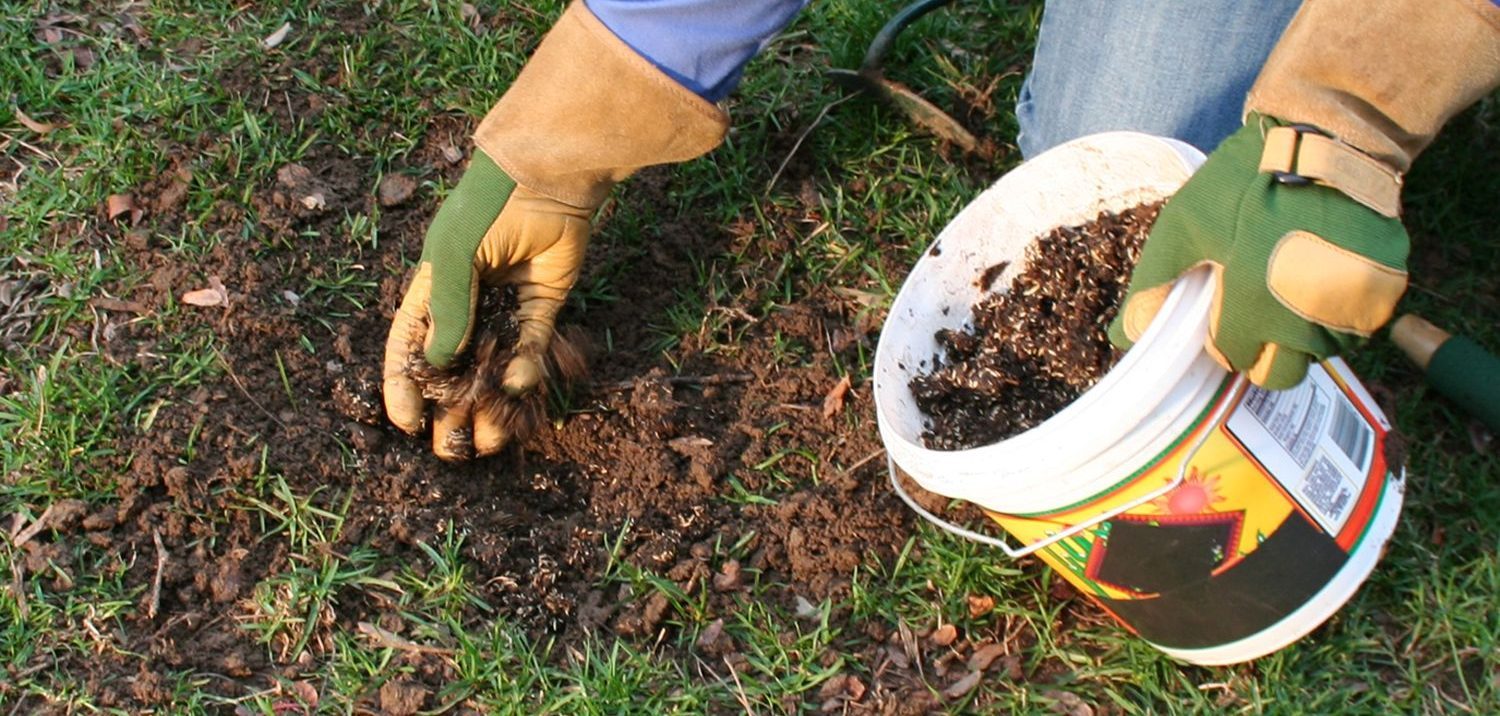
x,y
395,641
161,566
800,138
18,586
739,688
238,384
22,537
863,461
718,379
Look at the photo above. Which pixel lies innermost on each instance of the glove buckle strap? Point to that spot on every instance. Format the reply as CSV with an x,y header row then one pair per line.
x,y
1281,153
1301,154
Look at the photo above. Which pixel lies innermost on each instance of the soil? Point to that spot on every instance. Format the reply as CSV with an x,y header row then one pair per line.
x,y
647,460
1033,348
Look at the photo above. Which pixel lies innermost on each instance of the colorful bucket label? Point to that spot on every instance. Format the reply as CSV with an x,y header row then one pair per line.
x,y
1275,500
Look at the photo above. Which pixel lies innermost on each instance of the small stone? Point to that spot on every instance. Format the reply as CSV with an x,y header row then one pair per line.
x,y
395,189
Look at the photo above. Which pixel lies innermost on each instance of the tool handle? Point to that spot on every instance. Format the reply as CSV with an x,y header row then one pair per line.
x,y
1456,367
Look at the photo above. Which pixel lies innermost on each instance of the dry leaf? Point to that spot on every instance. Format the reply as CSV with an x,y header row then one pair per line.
x,y
32,124
963,686
1068,704
470,15
306,692
980,605
833,402
986,655
214,295
452,154
276,38
944,635
120,204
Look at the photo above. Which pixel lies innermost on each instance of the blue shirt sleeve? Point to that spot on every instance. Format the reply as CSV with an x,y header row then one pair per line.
x,y
704,44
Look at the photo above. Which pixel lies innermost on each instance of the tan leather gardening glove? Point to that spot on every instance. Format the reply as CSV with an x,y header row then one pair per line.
x,y
1298,213
585,113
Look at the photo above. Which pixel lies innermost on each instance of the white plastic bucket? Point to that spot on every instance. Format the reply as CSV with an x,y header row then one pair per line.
x,y
1110,473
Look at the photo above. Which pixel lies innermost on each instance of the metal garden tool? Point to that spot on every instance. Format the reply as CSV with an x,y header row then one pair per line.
x,y
870,78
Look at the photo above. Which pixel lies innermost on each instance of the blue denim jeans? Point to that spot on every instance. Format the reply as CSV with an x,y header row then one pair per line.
x,y
1176,68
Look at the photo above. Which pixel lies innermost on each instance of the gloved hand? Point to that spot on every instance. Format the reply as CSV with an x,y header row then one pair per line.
x,y
1304,271
489,230
1311,262
585,113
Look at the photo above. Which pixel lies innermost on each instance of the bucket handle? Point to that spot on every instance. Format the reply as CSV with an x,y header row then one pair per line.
x,y
1014,553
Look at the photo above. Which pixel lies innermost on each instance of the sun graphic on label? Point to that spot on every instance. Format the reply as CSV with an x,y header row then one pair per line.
x,y
1196,494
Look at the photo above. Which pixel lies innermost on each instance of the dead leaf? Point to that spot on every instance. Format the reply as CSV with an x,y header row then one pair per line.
x,y
980,605
959,688
807,610
83,57
833,401
711,635
276,38
470,15
944,635
452,154
985,655
214,295
118,205
306,692
32,124
1068,704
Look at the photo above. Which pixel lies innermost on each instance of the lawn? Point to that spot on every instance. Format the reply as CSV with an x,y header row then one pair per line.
x,y
199,518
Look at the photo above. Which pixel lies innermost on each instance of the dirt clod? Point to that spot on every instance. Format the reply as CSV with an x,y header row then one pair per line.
x,y
401,698
395,189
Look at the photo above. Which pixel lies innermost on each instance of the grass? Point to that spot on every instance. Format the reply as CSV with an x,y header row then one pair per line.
x,y
1420,637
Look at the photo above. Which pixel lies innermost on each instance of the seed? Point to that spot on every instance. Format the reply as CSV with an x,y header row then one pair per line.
x,y
1036,346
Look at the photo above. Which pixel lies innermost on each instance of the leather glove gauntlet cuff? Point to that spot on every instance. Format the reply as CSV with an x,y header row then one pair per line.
x,y
1382,77
587,111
